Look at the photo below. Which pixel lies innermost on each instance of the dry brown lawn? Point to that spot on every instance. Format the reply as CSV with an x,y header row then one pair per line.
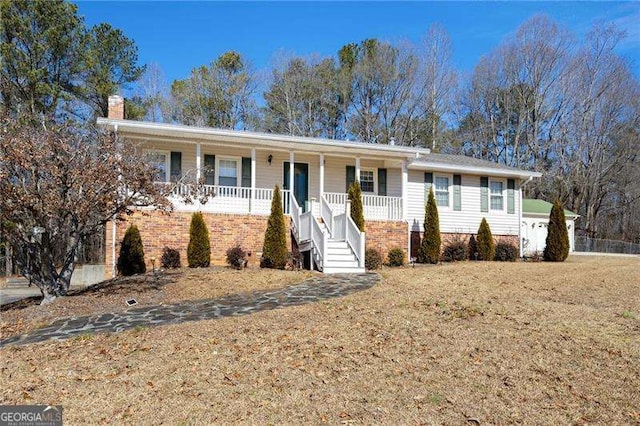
x,y
488,343
151,289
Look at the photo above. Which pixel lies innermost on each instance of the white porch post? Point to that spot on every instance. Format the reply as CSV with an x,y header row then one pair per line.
x,y
321,185
358,169
198,161
252,201
405,189
291,167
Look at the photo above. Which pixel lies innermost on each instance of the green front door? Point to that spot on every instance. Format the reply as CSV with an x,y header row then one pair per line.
x,y
300,182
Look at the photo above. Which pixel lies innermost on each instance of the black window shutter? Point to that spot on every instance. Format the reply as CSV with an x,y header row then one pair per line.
x,y
209,169
351,176
246,172
511,196
285,180
382,181
176,166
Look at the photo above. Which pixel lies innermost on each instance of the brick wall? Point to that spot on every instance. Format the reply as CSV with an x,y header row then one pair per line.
x,y
385,235
448,237
158,230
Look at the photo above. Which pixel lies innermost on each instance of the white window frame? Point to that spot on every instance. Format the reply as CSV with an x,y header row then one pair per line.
x,y
167,162
504,198
238,161
449,189
375,180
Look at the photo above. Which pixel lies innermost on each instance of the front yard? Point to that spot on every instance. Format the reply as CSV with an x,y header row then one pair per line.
x,y
455,343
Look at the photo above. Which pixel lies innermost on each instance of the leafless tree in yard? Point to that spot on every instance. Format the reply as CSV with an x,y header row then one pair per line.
x,y
60,184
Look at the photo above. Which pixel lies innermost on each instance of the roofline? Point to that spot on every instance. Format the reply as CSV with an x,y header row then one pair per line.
x,y
205,133
438,167
571,215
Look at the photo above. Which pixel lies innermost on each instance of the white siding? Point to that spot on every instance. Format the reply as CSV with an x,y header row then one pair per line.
x,y
466,220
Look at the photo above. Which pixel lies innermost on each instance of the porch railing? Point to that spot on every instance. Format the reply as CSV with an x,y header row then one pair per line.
x,y
375,207
225,199
326,213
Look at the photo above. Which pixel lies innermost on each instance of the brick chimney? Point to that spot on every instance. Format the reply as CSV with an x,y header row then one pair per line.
x,y
116,107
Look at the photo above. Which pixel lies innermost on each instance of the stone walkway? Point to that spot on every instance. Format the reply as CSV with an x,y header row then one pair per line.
x,y
309,291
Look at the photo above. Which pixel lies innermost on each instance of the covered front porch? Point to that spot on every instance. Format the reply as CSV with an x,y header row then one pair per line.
x,y
241,181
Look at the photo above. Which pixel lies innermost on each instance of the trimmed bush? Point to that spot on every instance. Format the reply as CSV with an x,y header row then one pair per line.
x,y
274,251
557,244
473,248
199,248
486,245
372,259
237,257
357,213
131,259
395,257
429,251
455,251
170,258
506,252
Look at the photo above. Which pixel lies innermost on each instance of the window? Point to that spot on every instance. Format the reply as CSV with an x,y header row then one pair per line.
x,y
228,172
160,161
367,181
442,191
497,198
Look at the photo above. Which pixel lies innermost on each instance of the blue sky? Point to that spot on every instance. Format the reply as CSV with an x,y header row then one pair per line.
x,y
182,35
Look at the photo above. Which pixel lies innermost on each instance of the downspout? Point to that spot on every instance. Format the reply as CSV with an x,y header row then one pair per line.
x,y
522,185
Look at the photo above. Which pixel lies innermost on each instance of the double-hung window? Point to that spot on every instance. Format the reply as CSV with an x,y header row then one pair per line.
x,y
497,197
442,191
160,161
228,172
367,181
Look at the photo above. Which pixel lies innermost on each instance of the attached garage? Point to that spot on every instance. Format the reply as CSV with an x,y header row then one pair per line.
x,y
535,219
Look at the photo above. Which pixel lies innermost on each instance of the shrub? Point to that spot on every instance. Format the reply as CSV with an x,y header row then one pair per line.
x,y
236,257
557,244
372,259
131,259
473,248
429,251
274,250
455,251
395,257
506,252
357,212
199,248
170,258
486,245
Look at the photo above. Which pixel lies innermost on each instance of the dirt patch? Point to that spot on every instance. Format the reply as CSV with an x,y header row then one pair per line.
x,y
150,289
533,343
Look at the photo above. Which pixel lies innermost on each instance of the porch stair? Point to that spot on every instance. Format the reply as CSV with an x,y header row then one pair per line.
x,y
335,244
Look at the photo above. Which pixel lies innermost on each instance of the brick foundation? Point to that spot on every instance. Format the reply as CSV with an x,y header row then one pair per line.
x,y
385,235
449,237
158,230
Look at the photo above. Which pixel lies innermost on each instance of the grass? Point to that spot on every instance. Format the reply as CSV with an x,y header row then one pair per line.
x,y
535,343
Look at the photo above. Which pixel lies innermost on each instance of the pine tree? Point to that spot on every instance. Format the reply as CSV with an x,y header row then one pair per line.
x,y
429,251
131,259
199,248
484,241
557,245
355,196
274,250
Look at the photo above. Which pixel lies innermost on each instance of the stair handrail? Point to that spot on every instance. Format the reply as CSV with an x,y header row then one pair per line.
x,y
320,242
295,213
326,213
354,237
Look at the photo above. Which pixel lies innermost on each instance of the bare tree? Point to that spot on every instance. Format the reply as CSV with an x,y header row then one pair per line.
x,y
60,185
